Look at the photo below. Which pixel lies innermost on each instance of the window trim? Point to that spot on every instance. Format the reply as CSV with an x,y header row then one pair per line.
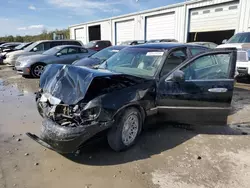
x,y
200,56
233,59
168,54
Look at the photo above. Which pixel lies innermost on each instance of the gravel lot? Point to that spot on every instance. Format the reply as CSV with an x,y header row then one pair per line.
x,y
165,156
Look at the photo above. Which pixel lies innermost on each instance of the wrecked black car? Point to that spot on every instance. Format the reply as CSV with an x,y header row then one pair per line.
x,y
178,83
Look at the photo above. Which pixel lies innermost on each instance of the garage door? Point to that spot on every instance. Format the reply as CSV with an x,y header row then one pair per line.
x,y
80,34
160,26
125,30
215,18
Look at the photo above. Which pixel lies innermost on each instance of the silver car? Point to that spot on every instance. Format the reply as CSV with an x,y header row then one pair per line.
x,y
37,48
66,54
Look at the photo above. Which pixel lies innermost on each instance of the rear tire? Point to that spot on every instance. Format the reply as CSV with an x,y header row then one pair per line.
x,y
126,129
37,69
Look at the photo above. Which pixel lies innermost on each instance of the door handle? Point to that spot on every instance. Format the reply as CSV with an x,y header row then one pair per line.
x,y
217,90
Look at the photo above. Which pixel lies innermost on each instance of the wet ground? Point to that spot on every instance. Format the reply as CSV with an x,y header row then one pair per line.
x,y
165,156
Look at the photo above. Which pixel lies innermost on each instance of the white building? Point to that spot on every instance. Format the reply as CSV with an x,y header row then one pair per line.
x,y
200,20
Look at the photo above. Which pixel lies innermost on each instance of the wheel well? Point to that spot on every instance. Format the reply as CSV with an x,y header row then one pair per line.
x,y
38,63
137,106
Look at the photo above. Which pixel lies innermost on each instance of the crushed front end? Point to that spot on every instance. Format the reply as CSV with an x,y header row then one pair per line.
x,y
69,118
77,103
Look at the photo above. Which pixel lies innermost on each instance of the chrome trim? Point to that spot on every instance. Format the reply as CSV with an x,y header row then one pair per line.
x,y
217,90
191,108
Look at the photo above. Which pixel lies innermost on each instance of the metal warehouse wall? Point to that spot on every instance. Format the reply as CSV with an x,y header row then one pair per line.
x,y
182,19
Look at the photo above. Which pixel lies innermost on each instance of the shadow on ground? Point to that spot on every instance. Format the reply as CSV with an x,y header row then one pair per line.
x,y
152,141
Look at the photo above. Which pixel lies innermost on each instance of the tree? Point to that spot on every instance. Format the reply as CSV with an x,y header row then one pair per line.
x,y
18,39
45,35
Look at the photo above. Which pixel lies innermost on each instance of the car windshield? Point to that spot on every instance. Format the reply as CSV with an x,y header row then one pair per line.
x,y
153,41
240,38
135,61
90,44
52,51
30,47
106,53
21,46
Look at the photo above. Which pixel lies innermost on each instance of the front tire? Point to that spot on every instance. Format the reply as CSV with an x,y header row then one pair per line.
x,y
126,129
37,70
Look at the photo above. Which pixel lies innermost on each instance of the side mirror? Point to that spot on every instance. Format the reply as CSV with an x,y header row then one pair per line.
x,y
58,54
224,41
178,76
35,49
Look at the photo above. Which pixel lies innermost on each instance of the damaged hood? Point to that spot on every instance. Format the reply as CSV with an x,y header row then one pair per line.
x,y
70,83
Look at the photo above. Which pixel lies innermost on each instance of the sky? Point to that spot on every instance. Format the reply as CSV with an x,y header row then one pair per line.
x,y
21,17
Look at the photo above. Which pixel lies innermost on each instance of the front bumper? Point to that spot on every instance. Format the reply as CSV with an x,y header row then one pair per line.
x,y
23,70
67,139
9,61
243,68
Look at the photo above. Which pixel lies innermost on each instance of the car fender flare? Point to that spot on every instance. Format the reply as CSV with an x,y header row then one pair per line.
x,y
135,105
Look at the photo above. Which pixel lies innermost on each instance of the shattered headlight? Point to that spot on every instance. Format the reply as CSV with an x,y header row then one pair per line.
x,y
90,114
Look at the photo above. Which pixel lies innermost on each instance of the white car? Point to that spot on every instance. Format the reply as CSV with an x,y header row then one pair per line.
x,y
241,41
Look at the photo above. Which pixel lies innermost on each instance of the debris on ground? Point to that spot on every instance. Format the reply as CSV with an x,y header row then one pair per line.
x,y
36,164
26,154
19,139
199,157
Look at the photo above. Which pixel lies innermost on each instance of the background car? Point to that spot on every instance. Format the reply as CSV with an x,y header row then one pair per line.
x,y
65,54
19,47
207,44
98,45
161,40
38,48
8,46
133,42
99,57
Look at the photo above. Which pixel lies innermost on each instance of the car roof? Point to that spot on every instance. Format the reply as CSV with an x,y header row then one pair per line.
x,y
164,45
118,47
64,46
57,40
99,41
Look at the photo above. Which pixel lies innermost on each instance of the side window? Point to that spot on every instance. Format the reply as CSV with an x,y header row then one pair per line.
x,y
53,44
208,67
174,59
72,50
47,46
40,47
64,51
101,44
107,43
195,51
83,50
75,43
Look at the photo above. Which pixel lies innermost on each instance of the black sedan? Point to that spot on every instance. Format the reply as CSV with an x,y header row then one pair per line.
x,y
166,80
99,57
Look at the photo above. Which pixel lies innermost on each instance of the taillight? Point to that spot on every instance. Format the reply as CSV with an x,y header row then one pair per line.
x,y
242,56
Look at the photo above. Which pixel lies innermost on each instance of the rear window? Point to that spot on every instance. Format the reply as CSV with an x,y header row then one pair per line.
x,y
73,43
195,51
